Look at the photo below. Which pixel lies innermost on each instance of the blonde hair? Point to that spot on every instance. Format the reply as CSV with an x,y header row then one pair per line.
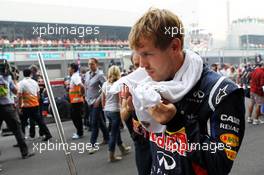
x,y
113,74
153,25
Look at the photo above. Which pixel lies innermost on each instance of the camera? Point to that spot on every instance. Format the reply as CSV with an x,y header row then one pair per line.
x,y
14,73
4,67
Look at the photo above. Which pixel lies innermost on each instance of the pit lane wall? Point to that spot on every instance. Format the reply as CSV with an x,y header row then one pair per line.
x,y
58,61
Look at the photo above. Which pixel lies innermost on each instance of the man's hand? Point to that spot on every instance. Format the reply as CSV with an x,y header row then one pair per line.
x,y
126,108
129,104
163,113
126,103
125,92
126,98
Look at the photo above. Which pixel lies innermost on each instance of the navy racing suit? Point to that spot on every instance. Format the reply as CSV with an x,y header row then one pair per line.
x,y
205,134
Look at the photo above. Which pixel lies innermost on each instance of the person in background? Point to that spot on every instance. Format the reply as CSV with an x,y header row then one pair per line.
x,y
256,94
245,75
28,94
76,92
87,119
214,67
7,108
138,133
225,70
232,74
110,104
36,76
94,80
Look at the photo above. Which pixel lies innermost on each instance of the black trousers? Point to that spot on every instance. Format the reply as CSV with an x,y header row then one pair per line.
x,y
143,156
10,116
32,131
87,118
76,116
32,123
33,114
142,149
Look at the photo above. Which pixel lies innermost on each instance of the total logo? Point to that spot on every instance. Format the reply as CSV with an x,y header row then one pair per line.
x,y
230,154
230,139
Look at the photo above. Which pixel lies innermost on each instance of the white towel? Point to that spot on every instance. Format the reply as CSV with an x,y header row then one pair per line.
x,y
147,93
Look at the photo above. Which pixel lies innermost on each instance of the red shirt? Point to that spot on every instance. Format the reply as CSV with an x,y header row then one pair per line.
x,y
257,81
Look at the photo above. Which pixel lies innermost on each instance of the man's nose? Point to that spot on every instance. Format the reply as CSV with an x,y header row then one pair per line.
x,y
143,62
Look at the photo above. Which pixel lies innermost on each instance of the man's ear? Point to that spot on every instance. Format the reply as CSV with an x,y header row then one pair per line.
x,y
176,45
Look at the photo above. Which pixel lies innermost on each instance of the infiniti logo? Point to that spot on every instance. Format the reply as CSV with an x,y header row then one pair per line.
x,y
199,94
166,160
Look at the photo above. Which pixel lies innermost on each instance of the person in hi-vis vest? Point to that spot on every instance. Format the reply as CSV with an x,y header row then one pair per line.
x,y
76,92
28,93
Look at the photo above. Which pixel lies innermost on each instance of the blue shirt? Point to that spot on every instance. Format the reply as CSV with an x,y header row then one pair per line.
x,y
6,85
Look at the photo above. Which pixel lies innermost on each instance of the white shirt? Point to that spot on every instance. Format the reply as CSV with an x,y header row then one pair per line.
x,y
111,100
28,85
75,79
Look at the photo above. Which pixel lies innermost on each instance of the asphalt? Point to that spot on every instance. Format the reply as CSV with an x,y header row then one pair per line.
x,y
249,161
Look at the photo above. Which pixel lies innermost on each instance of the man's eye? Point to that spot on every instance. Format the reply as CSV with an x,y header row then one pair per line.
x,y
147,54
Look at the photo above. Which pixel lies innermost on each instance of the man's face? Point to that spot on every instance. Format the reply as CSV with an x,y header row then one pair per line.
x,y
214,68
160,64
33,71
70,71
92,65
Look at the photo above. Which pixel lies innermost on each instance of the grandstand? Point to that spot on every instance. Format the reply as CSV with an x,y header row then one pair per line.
x,y
105,37
70,39
246,33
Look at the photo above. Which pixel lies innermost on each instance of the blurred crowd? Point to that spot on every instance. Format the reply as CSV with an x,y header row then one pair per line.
x,y
237,73
251,78
66,43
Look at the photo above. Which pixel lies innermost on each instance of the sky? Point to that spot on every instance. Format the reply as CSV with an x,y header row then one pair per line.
x,y
210,14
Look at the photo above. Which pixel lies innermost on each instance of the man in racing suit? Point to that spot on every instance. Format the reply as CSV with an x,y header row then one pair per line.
x,y
205,128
